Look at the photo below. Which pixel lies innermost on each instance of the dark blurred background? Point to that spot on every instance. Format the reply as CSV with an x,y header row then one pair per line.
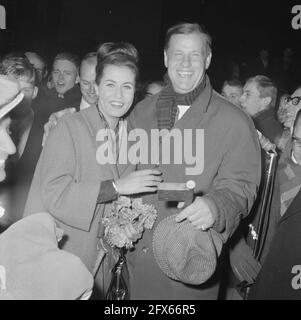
x,y
239,27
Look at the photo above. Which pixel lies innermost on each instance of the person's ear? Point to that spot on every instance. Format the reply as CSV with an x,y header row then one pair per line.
x,y
208,60
77,79
35,92
165,59
96,89
266,101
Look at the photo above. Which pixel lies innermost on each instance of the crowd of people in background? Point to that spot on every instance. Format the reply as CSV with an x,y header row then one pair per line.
x,y
265,94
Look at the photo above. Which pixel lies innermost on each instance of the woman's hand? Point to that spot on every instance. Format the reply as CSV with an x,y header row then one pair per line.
x,y
52,122
139,182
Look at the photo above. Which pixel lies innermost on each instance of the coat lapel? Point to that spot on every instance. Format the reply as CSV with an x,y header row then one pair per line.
x,y
107,171
293,208
195,114
190,120
124,167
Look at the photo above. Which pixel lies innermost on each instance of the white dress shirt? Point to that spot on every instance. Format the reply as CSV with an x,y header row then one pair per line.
x,y
83,104
182,110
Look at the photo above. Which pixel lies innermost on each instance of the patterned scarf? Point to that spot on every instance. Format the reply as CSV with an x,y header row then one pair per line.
x,y
169,100
290,183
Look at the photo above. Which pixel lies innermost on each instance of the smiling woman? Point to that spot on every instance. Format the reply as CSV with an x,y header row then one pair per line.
x,y
72,185
116,92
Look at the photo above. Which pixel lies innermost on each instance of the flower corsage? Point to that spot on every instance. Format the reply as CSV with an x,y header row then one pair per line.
x,y
127,210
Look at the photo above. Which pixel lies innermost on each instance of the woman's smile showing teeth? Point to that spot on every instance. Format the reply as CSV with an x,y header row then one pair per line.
x,y
117,104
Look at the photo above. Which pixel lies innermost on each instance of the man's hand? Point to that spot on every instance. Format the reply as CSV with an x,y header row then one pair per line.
x,y
265,143
52,122
198,213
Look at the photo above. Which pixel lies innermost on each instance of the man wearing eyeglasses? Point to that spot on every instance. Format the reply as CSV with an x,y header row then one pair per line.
x,y
293,104
280,276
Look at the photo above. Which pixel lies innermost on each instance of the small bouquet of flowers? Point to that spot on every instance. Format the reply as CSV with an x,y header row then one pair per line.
x,y
124,211
121,213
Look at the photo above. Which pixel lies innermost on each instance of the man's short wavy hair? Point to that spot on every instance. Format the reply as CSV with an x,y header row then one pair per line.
x,y
189,28
73,58
266,88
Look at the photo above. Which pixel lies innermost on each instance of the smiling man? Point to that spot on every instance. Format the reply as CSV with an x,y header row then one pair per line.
x,y
225,190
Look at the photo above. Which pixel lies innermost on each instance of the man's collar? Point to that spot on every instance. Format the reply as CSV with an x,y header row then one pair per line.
x,y
263,113
69,92
84,104
294,159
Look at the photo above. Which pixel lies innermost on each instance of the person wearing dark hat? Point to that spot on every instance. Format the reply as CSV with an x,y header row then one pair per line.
x,y
164,266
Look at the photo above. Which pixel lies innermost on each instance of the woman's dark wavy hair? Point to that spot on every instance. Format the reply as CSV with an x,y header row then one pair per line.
x,y
117,54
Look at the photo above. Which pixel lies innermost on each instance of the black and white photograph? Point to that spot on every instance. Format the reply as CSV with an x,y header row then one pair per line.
x,y
150,151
